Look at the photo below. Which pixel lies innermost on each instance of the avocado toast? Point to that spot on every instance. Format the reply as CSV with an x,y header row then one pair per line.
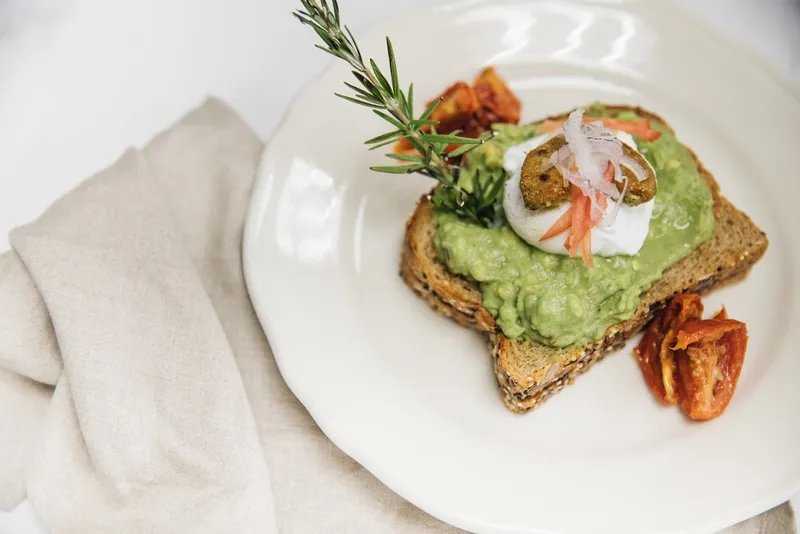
x,y
528,371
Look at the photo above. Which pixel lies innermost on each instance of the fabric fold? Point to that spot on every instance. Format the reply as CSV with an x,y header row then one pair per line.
x,y
149,428
28,346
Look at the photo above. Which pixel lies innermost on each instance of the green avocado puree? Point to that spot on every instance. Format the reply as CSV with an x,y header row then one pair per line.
x,y
555,299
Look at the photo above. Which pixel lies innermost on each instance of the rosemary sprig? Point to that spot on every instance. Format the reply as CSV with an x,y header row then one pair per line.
x,y
389,101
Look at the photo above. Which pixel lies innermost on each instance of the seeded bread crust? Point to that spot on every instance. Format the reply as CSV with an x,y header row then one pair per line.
x,y
527,372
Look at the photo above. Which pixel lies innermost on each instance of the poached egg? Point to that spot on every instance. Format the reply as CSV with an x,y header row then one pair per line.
x,y
625,235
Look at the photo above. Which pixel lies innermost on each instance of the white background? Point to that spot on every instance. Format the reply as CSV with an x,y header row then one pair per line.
x,y
81,80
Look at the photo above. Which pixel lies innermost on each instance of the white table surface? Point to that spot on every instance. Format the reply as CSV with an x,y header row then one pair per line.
x,y
81,80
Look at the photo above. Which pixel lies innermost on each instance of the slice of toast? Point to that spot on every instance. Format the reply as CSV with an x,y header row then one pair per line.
x,y
528,372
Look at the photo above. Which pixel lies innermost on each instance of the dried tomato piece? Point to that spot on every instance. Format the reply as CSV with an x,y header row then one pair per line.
x,y
471,109
693,361
458,110
654,352
710,354
706,330
498,102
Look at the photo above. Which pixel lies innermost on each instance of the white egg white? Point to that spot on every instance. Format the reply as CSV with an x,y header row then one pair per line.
x,y
625,236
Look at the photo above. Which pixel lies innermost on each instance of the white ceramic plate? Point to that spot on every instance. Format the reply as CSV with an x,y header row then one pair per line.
x,y
411,396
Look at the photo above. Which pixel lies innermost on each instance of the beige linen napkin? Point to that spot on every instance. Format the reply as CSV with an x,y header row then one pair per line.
x,y
137,391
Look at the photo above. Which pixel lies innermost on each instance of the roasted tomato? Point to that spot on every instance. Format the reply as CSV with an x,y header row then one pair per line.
x,y
655,354
458,110
710,355
498,102
472,109
693,361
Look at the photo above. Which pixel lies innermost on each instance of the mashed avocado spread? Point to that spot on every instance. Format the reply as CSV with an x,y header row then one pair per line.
x,y
555,299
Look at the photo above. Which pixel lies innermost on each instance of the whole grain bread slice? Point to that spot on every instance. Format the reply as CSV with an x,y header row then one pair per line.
x,y
528,372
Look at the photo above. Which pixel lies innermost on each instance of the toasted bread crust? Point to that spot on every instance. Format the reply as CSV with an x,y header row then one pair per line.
x,y
527,372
